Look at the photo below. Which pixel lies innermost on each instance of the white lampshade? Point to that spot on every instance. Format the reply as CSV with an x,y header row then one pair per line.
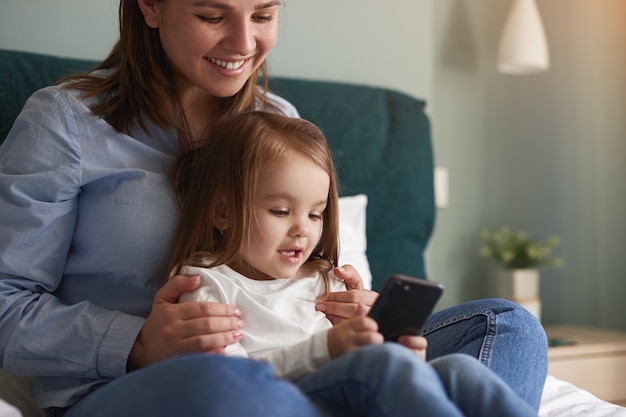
x,y
523,46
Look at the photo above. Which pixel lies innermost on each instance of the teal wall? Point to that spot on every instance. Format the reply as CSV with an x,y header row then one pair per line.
x,y
545,153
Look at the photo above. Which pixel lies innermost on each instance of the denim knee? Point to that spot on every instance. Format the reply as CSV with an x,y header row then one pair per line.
x,y
372,380
384,362
457,365
388,352
501,334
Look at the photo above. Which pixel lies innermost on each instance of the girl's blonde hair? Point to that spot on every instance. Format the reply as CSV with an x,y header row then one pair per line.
x,y
139,85
227,167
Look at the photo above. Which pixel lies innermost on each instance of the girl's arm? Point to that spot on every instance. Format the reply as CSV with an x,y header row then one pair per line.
x,y
296,361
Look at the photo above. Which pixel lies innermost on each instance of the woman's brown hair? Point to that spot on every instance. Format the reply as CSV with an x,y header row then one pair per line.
x,y
227,166
138,81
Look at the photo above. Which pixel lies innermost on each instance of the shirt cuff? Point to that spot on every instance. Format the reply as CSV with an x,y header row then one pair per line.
x,y
320,356
117,344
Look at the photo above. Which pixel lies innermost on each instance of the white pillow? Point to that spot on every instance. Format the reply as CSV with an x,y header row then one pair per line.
x,y
352,238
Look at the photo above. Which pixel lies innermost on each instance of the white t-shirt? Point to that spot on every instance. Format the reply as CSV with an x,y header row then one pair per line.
x,y
281,324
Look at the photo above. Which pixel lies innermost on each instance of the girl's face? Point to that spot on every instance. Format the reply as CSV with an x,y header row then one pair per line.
x,y
214,45
290,201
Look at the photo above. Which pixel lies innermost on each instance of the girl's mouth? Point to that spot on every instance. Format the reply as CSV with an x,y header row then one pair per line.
x,y
291,253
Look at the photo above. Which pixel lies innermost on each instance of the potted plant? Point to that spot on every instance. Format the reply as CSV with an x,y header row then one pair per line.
x,y
519,258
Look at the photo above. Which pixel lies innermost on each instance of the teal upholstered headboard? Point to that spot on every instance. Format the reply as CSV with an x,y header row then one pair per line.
x,y
21,73
380,140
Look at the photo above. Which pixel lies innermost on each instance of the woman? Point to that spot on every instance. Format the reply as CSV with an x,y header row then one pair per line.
x,y
87,211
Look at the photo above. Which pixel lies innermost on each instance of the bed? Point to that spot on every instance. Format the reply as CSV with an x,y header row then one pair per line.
x,y
383,152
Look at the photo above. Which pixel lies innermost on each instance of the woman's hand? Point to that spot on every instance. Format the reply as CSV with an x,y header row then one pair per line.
x,y
353,333
417,344
172,329
339,306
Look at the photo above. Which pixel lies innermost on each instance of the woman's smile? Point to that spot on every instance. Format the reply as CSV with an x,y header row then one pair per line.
x,y
229,65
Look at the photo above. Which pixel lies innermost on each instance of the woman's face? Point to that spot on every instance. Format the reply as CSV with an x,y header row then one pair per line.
x,y
214,45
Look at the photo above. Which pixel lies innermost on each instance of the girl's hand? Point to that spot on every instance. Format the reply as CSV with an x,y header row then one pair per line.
x,y
343,305
353,333
417,344
172,329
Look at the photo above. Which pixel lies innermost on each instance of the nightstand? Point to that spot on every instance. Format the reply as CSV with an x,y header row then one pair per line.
x,y
592,359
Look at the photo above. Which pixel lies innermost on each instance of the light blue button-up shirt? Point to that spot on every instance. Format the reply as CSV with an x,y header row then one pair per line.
x,y
86,217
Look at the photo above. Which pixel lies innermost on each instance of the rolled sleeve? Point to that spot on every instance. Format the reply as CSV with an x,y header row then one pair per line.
x,y
117,344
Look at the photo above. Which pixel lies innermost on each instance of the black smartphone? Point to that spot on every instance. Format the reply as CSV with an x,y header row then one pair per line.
x,y
403,305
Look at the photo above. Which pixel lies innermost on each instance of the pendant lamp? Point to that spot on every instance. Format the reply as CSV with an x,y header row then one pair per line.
x,y
523,47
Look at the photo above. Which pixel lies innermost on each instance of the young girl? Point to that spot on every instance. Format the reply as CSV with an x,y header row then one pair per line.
x,y
259,225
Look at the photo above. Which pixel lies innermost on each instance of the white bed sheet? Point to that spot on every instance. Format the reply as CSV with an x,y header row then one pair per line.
x,y
7,410
562,399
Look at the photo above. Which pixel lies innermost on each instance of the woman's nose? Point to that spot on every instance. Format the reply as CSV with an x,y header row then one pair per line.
x,y
240,37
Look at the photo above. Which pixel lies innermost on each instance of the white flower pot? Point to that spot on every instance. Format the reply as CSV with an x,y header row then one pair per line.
x,y
522,287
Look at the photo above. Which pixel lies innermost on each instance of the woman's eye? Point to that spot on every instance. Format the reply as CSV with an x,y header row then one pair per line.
x,y
209,19
263,18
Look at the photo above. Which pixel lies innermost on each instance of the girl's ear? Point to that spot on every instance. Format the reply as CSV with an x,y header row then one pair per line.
x,y
151,12
221,219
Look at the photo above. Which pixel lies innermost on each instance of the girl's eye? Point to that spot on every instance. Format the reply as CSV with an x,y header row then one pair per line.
x,y
279,213
314,216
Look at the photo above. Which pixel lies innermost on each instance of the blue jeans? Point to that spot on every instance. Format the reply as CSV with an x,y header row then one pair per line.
x,y
196,385
502,335
391,381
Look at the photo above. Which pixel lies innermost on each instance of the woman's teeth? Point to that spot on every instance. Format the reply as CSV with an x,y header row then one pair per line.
x,y
228,65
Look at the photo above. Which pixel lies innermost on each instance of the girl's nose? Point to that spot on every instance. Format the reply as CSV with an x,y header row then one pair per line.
x,y
300,228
